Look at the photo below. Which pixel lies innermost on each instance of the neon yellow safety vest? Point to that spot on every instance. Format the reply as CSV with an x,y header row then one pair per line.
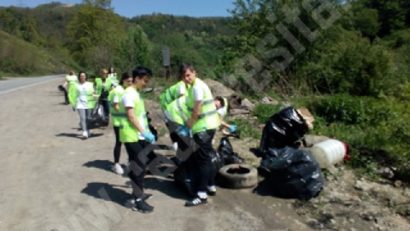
x,y
171,94
208,117
73,94
114,79
100,86
129,133
116,116
177,111
71,78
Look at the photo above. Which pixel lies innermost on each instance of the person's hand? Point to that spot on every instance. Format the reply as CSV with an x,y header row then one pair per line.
x,y
233,128
149,137
183,131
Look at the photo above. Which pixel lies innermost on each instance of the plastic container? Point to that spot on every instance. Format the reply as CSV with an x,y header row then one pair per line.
x,y
329,152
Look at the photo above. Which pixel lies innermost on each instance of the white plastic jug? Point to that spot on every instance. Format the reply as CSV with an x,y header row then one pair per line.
x,y
329,152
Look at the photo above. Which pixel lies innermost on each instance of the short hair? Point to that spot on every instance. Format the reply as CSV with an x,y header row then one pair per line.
x,y
184,67
140,72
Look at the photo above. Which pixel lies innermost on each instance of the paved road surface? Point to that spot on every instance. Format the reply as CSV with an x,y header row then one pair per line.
x,y
14,84
54,181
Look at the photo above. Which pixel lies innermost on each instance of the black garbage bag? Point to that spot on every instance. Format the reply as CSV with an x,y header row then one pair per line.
x,y
283,129
227,154
186,174
97,117
293,173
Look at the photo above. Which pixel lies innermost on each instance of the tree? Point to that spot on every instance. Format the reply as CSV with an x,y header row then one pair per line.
x,y
104,4
95,36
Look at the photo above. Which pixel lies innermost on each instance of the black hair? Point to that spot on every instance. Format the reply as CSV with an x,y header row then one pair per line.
x,y
184,67
79,73
124,76
221,100
140,72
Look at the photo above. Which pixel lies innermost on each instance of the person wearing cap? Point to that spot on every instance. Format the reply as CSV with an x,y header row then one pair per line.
x,y
103,85
136,136
82,98
222,106
202,123
114,99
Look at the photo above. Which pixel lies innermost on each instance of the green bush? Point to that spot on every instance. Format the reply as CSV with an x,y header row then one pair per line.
x,y
377,130
247,129
264,111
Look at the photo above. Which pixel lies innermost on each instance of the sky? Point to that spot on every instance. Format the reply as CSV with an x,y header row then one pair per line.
x,y
131,8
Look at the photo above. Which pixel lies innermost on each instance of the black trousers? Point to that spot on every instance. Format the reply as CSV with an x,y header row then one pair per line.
x,y
117,146
139,155
203,159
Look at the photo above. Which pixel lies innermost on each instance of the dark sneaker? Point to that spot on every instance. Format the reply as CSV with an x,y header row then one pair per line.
x,y
196,201
142,206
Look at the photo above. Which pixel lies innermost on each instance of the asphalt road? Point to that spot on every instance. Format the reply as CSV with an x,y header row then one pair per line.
x,y
54,181
15,84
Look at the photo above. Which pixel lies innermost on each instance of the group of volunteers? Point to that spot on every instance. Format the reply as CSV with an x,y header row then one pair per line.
x,y
190,111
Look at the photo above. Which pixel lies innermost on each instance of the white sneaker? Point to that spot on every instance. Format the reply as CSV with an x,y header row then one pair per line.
x,y
85,134
117,169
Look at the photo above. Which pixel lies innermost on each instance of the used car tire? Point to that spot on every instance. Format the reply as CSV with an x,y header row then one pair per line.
x,y
238,176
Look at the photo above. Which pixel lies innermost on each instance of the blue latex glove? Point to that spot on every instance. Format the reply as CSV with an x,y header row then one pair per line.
x,y
149,137
183,131
233,128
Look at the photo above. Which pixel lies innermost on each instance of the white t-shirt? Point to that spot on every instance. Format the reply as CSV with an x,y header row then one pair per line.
x,y
82,95
129,98
222,112
182,89
118,90
198,92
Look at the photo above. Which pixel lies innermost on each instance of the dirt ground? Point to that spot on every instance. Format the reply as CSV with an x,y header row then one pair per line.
x,y
52,180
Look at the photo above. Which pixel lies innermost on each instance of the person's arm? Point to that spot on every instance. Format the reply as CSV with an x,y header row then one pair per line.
x,y
133,120
195,114
225,124
115,102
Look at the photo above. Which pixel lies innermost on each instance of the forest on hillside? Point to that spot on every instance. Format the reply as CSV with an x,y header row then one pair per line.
x,y
347,61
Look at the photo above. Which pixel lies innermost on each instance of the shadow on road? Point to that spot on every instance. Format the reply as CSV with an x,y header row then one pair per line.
x,y
166,186
101,164
267,188
107,192
78,136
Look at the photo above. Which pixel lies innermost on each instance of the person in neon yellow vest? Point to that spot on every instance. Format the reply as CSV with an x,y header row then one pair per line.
x,y
113,76
136,136
222,106
68,80
172,102
82,97
172,93
114,98
103,85
203,123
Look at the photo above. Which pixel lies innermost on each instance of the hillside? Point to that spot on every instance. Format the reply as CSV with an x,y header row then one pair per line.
x,y
53,27
19,56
